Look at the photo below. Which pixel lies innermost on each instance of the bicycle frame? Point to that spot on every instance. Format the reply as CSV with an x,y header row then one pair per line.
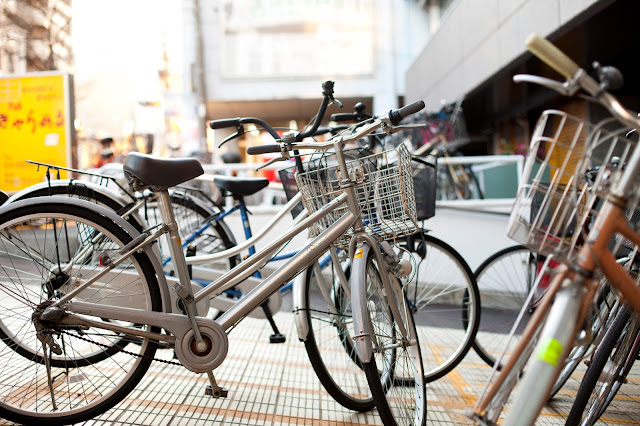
x,y
595,253
179,325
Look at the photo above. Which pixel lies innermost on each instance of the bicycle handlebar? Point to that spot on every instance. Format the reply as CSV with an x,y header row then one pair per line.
x,y
363,129
396,115
235,122
327,92
340,117
225,122
577,77
552,56
263,149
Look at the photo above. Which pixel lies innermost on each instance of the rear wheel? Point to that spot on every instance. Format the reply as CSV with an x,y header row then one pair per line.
x,y
442,291
47,250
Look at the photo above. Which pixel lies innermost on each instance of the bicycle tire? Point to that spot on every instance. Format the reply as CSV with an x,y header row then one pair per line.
x,y
28,271
95,194
191,215
513,268
329,343
504,280
442,291
394,371
597,389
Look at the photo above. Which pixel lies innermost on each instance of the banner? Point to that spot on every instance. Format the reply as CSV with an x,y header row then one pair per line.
x,y
36,123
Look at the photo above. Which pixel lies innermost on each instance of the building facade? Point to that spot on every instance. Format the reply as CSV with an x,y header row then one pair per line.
x,y
481,45
268,58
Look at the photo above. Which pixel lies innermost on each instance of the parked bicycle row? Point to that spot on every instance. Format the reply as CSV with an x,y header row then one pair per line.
x,y
91,291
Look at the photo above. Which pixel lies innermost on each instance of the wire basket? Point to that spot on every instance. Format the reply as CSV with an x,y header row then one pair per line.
x,y
571,164
384,185
288,179
424,174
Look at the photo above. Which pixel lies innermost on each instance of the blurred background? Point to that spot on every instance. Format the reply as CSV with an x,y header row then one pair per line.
x,y
149,74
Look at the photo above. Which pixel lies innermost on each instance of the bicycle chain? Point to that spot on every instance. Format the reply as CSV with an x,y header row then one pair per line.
x,y
128,352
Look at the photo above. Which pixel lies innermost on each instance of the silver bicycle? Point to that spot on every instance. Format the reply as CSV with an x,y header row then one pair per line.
x,y
77,280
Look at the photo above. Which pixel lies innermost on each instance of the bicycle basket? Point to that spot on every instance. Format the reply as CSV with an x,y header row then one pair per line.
x,y
384,185
570,165
288,179
424,178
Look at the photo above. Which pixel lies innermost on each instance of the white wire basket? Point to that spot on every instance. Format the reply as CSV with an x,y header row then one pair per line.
x,y
571,164
384,184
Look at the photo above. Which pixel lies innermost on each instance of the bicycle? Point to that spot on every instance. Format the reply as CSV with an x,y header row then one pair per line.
x,y
83,304
443,288
443,137
505,280
557,214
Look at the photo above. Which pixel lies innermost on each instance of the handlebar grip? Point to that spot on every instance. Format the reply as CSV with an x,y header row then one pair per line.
x,y
343,117
396,115
263,149
225,122
551,55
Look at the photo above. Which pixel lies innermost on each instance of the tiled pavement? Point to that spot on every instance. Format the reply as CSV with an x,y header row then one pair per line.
x,y
274,384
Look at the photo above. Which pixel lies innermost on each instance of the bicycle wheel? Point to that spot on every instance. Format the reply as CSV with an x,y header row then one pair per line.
x,y
191,215
394,372
504,281
442,291
46,249
197,228
608,369
329,342
84,191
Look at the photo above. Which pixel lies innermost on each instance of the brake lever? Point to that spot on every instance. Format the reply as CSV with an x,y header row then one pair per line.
x,y
389,130
568,88
274,160
239,132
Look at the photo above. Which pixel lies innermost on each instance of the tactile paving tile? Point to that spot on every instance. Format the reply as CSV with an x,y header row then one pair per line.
x,y
274,384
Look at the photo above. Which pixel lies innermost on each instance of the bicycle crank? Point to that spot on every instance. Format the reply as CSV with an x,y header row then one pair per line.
x,y
208,358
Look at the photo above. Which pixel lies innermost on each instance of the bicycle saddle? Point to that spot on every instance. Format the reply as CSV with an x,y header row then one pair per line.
x,y
144,170
240,186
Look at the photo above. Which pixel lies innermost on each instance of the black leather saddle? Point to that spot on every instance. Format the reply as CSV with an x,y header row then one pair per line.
x,y
159,173
240,185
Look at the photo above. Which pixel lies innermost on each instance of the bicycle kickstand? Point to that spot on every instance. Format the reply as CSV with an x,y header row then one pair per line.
x,y
276,337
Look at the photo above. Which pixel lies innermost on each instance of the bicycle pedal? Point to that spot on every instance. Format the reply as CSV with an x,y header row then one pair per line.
x,y
277,338
222,394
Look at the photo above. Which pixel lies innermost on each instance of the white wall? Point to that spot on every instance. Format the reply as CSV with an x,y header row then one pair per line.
x,y
476,39
398,29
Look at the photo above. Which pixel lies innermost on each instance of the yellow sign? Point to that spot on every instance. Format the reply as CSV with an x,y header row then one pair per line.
x,y
35,124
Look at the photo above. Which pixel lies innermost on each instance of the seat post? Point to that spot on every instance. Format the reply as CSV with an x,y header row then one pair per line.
x,y
183,287
173,237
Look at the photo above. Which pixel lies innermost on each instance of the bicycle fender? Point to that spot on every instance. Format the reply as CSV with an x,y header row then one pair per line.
x,y
109,214
361,322
300,305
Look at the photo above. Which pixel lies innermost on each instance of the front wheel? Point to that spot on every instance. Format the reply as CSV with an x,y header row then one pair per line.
x,y
46,250
391,359
608,369
329,342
